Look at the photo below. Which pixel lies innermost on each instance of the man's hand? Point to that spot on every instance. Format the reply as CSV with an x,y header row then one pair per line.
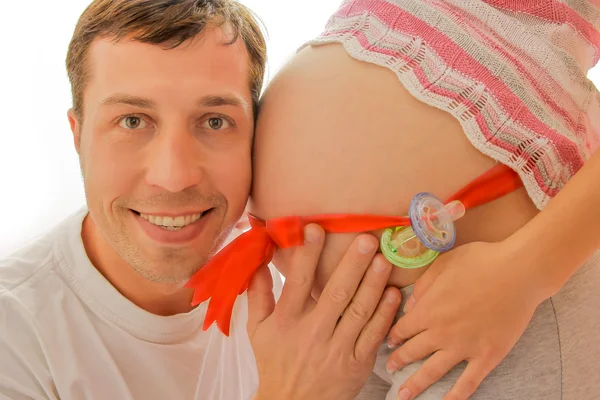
x,y
324,349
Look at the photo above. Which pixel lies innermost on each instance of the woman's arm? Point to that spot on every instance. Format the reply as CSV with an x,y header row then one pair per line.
x,y
566,232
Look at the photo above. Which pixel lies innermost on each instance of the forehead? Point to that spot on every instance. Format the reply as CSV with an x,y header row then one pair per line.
x,y
207,62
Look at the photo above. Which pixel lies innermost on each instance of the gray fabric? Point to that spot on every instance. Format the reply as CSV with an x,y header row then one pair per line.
x,y
557,358
375,388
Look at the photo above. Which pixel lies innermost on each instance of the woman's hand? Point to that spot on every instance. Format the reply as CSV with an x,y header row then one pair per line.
x,y
473,304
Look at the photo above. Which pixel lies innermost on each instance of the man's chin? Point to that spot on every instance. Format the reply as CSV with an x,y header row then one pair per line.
x,y
175,263
167,265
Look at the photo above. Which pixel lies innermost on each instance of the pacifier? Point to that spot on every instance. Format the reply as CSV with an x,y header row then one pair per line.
x,y
432,232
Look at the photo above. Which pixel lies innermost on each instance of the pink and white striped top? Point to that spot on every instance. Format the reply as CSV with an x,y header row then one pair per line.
x,y
513,72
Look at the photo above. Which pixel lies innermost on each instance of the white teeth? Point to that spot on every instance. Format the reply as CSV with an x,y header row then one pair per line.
x,y
179,221
172,223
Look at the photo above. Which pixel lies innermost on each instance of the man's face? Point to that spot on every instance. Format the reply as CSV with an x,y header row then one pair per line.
x,y
165,146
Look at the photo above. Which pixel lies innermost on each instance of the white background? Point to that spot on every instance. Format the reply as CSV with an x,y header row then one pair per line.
x,y
40,183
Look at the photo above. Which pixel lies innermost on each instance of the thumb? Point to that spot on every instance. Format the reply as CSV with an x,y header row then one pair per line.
x,y
261,301
423,283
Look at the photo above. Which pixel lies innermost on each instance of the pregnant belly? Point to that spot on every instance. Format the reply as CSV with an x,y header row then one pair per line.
x,y
336,135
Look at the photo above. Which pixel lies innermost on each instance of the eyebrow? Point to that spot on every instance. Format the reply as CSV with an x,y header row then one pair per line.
x,y
225,100
126,99
205,101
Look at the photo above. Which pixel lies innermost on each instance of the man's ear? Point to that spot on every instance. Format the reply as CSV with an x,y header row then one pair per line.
x,y
75,128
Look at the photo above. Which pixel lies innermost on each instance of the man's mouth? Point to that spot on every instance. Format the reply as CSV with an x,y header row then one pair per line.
x,y
173,223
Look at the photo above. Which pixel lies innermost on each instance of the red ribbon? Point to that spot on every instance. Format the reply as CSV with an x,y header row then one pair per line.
x,y
228,273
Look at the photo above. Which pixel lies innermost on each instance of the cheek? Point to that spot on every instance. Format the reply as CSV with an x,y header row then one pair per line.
x,y
232,175
109,170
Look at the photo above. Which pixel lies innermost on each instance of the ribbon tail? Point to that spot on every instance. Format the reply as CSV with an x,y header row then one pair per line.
x,y
204,281
221,304
219,310
223,299
265,263
497,182
235,277
204,290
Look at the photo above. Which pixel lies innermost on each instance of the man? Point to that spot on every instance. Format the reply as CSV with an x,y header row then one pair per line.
x,y
164,98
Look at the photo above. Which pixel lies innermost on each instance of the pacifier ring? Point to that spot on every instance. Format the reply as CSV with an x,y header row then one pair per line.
x,y
404,261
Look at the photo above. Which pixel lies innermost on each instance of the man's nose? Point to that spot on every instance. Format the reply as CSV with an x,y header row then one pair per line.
x,y
175,160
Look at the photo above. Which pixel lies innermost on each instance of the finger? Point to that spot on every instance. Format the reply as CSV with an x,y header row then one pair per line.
x,y
408,325
342,286
415,349
374,332
469,381
432,370
423,284
301,274
365,301
261,301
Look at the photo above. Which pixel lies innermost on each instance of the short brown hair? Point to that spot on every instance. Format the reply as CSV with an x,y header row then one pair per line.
x,y
168,23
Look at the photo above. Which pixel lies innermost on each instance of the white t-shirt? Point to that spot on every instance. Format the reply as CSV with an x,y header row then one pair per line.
x,y
66,333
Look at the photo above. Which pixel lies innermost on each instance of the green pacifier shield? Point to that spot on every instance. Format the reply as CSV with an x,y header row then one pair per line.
x,y
402,261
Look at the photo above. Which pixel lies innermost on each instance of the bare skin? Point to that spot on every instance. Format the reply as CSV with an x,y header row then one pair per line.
x,y
337,135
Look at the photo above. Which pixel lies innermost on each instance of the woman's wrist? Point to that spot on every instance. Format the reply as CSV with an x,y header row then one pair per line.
x,y
541,264
556,242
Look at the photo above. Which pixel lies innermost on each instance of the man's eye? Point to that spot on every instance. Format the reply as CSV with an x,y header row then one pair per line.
x,y
217,123
132,122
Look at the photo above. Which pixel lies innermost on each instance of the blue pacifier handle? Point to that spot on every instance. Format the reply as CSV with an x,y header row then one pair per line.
x,y
433,221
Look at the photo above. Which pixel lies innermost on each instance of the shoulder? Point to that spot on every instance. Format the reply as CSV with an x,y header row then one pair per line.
x,y
33,287
34,273
26,264
24,280
29,264
25,369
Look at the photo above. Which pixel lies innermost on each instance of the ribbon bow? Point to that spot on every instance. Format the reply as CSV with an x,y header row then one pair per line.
x,y
228,273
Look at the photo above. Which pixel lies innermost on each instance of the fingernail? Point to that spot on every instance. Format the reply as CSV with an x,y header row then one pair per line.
x,y
365,246
380,265
391,343
390,297
404,394
410,304
391,367
311,235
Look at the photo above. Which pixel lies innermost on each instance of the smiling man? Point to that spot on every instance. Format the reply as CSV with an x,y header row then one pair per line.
x,y
164,139
165,94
